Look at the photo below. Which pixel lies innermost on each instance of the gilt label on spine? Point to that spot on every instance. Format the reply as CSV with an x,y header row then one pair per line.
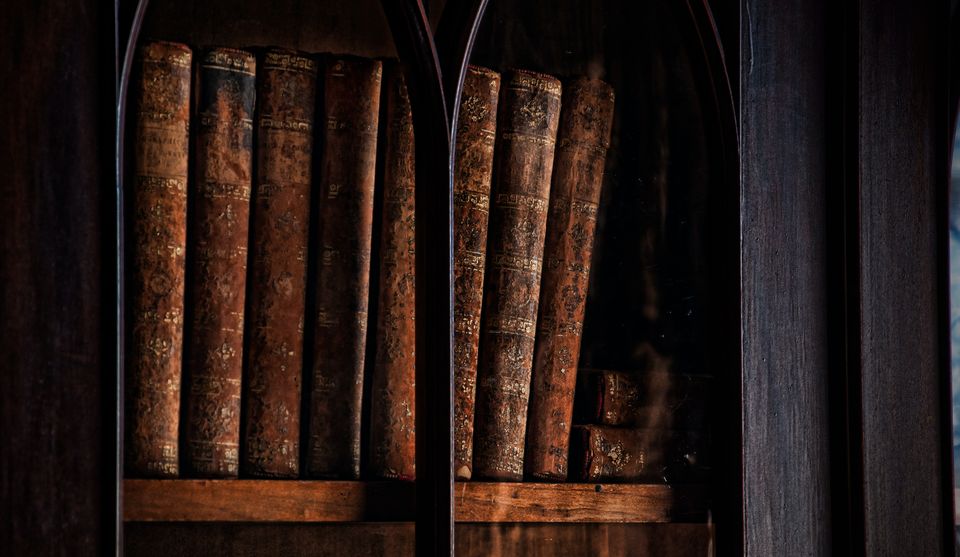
x,y
347,175
476,133
278,260
392,433
220,224
529,114
585,122
159,200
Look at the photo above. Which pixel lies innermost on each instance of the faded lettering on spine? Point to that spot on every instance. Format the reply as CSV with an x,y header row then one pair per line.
x,y
392,433
278,260
159,207
527,132
347,174
476,134
582,142
220,224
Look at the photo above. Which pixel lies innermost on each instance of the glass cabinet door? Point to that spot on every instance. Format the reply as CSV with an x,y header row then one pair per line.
x,y
336,302
268,321
596,370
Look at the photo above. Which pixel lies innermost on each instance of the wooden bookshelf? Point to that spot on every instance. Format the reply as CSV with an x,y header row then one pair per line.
x,y
341,501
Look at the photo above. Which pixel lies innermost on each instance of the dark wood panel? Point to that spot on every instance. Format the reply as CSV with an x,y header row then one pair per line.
x,y
359,27
396,539
786,467
902,137
55,434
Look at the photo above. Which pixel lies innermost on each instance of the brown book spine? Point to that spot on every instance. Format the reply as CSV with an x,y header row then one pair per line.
x,y
582,141
611,454
347,175
642,399
278,264
392,433
220,225
159,201
476,134
527,132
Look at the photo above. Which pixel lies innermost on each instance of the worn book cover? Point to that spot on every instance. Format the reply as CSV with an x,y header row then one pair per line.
x,y
476,134
526,136
611,454
392,433
658,399
286,94
351,105
158,195
586,118
223,179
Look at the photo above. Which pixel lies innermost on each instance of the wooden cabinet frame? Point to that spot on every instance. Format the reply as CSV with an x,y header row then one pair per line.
x,y
842,114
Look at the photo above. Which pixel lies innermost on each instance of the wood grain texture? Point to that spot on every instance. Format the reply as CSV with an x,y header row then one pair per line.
x,y
266,501
56,441
785,429
902,139
347,501
572,502
397,539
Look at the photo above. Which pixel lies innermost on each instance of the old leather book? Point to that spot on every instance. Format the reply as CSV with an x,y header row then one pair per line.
x,y
527,132
660,399
219,227
476,133
611,454
157,259
582,141
278,264
392,447
351,107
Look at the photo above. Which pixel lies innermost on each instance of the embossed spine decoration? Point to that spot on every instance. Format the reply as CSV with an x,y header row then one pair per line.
x,y
278,264
476,134
529,113
220,223
582,142
392,447
608,454
159,201
347,173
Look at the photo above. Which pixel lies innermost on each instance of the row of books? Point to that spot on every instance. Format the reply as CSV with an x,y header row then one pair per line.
x,y
257,339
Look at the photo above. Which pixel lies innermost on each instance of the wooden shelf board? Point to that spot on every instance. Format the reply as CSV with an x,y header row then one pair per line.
x,y
341,501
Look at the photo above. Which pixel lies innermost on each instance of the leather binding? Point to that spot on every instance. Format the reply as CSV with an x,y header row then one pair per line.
x,y
278,264
476,133
658,399
351,107
219,230
610,454
157,259
392,433
586,118
527,132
